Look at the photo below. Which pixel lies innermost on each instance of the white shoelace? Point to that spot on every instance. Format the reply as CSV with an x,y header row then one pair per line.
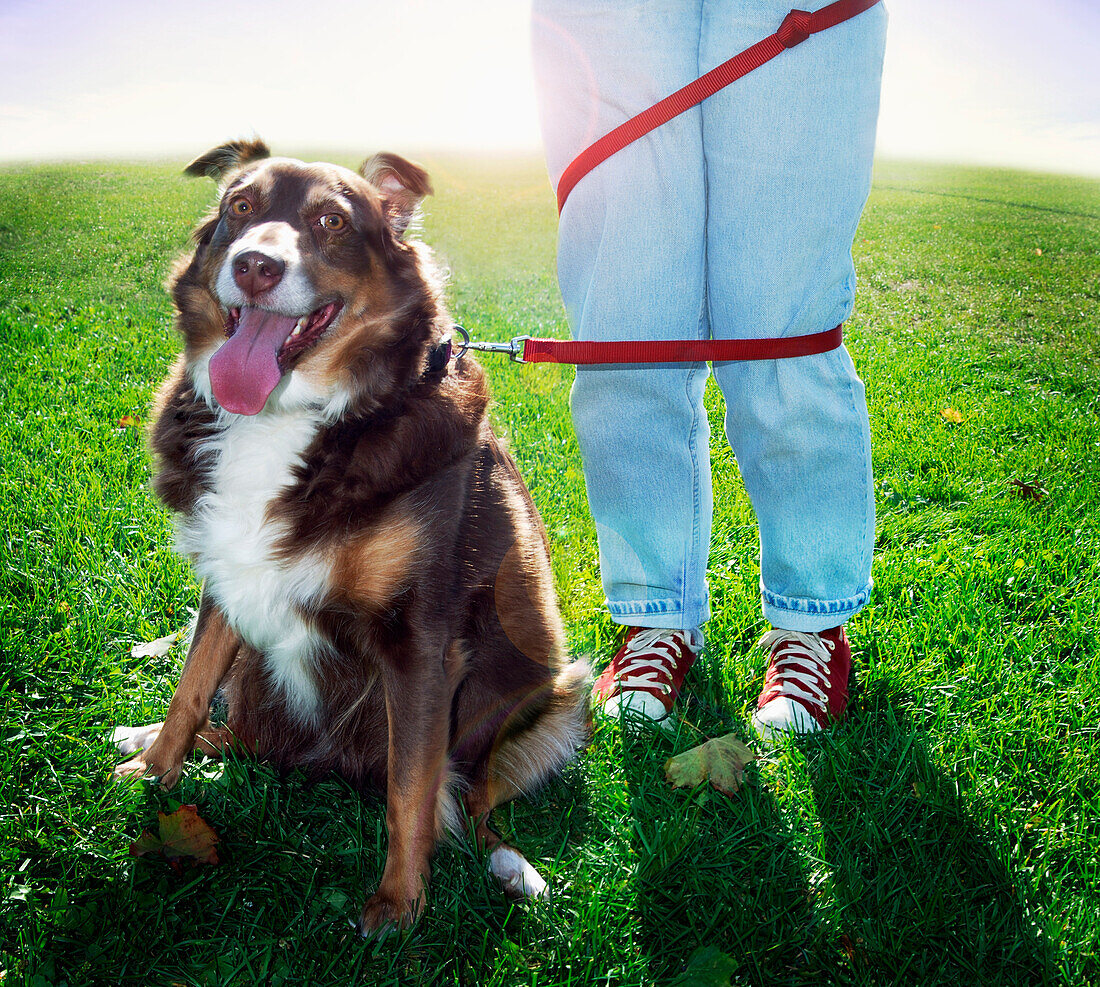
x,y
634,669
799,649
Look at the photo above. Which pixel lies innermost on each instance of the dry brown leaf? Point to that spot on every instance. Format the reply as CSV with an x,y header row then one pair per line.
x,y
184,836
953,416
128,421
720,761
851,947
1029,491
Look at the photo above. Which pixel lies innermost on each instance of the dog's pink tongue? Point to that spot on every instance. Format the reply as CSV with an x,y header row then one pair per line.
x,y
245,371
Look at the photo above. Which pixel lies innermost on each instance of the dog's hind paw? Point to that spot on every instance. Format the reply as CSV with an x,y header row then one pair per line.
x,y
130,740
516,876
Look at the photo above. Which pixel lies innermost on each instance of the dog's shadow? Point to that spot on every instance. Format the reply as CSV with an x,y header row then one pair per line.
x,y
298,858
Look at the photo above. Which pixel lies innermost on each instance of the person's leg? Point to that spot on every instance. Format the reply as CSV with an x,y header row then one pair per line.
x,y
788,154
631,266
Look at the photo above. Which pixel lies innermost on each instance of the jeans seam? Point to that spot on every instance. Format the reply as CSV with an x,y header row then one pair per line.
x,y
689,573
867,555
692,575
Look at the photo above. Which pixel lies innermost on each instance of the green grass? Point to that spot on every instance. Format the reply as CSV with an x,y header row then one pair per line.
x,y
945,834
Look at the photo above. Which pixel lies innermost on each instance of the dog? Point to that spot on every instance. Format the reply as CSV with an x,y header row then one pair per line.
x,y
376,591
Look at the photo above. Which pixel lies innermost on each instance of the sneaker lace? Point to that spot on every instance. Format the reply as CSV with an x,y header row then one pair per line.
x,y
799,665
654,646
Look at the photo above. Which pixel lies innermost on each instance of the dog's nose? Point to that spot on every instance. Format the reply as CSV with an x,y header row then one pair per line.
x,y
255,272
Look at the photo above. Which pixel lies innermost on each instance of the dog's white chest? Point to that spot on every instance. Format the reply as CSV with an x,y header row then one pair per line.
x,y
232,538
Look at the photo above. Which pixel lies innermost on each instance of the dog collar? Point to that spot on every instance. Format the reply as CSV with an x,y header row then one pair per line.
x,y
439,357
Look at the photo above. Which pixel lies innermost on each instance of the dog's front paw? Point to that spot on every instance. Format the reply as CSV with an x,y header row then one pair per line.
x,y
384,913
139,767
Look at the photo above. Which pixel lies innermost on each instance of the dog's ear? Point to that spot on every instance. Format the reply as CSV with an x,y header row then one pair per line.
x,y
224,158
402,185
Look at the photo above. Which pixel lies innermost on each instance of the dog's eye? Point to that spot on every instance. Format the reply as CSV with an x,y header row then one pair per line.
x,y
240,207
333,221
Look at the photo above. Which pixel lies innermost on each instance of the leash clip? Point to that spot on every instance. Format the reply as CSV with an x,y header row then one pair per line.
x,y
513,348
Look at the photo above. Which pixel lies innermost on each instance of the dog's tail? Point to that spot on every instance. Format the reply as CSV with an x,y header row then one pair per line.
x,y
526,760
531,755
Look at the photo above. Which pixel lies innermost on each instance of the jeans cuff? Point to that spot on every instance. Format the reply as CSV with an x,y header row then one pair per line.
x,y
659,613
811,616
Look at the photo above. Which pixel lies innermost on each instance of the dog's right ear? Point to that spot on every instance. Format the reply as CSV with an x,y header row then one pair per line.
x,y
401,183
216,162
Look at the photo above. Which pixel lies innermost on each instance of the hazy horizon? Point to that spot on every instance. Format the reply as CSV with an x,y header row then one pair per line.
x,y
992,82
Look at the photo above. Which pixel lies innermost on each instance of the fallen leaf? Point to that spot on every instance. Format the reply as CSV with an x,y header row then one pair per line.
x,y
1029,491
851,949
707,967
720,761
953,416
128,421
184,836
1038,251
155,649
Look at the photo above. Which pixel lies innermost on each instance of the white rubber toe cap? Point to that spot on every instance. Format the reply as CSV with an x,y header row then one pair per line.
x,y
636,707
781,718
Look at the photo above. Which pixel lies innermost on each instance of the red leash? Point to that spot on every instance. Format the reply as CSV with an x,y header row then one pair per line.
x,y
797,26
524,349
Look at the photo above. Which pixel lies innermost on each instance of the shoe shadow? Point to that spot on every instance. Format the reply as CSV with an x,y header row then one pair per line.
x,y
717,872
919,894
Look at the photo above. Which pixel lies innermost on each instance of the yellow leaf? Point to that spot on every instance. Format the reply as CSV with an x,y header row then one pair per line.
x,y
1038,251
720,761
951,415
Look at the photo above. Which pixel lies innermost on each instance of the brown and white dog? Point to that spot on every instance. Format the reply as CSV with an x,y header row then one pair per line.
x,y
377,598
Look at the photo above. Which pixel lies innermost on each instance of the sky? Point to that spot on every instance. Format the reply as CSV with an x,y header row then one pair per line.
x,y
1000,82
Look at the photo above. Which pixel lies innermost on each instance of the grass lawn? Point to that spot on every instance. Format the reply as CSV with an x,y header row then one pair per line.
x,y
947,833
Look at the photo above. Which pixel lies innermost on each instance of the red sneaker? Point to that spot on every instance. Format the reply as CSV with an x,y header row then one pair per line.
x,y
646,676
806,686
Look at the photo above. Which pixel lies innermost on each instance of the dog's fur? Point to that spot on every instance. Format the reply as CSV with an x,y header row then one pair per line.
x,y
377,598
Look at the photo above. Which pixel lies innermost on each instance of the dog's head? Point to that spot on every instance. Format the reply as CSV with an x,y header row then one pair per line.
x,y
302,290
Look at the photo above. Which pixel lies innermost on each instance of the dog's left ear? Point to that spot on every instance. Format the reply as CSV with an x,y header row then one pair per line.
x,y
402,185
218,161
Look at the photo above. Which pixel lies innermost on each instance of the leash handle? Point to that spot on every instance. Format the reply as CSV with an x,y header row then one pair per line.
x,y
797,26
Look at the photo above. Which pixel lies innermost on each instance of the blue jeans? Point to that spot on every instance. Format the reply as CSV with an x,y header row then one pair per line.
x,y
734,220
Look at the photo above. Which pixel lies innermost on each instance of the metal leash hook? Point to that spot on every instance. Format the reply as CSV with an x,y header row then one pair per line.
x,y
514,349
